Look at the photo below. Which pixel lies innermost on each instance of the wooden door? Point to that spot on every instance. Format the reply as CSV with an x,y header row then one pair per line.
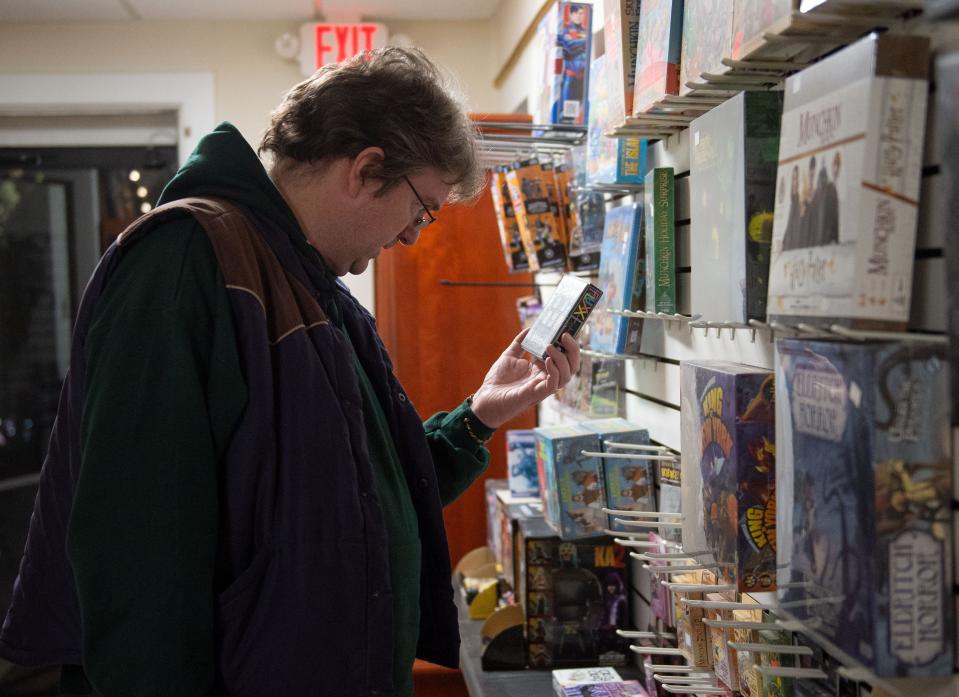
x,y
442,339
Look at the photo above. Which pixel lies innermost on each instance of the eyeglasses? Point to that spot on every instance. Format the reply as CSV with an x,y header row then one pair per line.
x,y
426,218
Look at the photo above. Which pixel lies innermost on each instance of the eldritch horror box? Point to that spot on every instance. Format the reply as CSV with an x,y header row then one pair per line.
x,y
865,482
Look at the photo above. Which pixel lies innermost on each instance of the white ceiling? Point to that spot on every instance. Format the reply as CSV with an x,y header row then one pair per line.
x,y
131,10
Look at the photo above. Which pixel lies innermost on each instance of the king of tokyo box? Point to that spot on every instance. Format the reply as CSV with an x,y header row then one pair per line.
x,y
571,483
865,488
575,598
729,469
850,160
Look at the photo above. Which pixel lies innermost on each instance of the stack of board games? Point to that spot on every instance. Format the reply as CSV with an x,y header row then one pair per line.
x,y
609,160
850,159
732,191
865,484
621,36
622,278
521,462
510,238
707,39
532,189
729,469
571,483
566,311
575,597
630,483
657,58
659,209
947,105
566,36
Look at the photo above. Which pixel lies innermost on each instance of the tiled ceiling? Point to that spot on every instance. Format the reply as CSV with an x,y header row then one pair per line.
x,y
133,10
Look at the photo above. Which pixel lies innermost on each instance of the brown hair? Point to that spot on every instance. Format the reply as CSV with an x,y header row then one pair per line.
x,y
392,98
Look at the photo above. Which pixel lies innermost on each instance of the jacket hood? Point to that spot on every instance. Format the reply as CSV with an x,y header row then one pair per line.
x,y
223,165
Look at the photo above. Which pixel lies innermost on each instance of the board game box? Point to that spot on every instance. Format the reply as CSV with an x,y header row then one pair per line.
x,y
734,150
521,462
610,160
532,189
729,469
572,483
947,105
657,58
630,484
850,160
566,311
865,481
622,278
660,234
707,39
670,496
575,597
621,35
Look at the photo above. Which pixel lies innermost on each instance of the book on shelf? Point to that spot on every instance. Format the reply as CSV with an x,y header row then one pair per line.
x,y
609,160
659,209
707,39
622,279
729,470
865,485
621,37
657,58
850,162
734,150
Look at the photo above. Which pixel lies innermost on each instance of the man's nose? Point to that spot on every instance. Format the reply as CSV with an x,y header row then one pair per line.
x,y
409,236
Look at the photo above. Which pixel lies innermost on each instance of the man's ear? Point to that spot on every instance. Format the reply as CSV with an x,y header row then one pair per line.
x,y
364,169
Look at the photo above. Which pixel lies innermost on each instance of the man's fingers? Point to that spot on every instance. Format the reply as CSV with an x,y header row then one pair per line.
x,y
515,350
572,352
561,363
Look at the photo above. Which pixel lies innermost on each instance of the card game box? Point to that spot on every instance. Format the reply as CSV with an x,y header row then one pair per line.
x,y
691,633
624,688
566,311
607,399
622,278
729,469
630,484
734,149
566,33
865,477
947,113
725,659
671,496
657,58
621,36
850,162
659,208
571,483
610,160
575,597
574,677
521,462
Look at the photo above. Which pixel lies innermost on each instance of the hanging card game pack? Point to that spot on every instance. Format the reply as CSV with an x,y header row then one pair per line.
x,y
864,479
532,191
566,311
510,238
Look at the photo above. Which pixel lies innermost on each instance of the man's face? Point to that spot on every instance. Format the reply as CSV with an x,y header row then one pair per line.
x,y
388,219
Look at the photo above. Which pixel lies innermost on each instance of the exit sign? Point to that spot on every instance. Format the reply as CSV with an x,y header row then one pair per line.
x,y
322,44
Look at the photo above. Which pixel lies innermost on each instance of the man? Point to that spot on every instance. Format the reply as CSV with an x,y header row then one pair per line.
x,y
239,498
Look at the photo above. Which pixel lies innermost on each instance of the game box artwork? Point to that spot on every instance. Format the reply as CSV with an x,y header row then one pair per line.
x,y
657,55
630,484
729,469
622,278
865,480
575,597
707,39
572,483
850,163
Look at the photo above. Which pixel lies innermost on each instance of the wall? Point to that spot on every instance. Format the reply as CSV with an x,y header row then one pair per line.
x,y
249,78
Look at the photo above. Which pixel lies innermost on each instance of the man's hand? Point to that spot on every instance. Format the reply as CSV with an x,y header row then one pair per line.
x,y
515,382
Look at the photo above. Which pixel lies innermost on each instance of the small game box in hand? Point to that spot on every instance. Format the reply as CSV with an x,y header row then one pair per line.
x,y
565,312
